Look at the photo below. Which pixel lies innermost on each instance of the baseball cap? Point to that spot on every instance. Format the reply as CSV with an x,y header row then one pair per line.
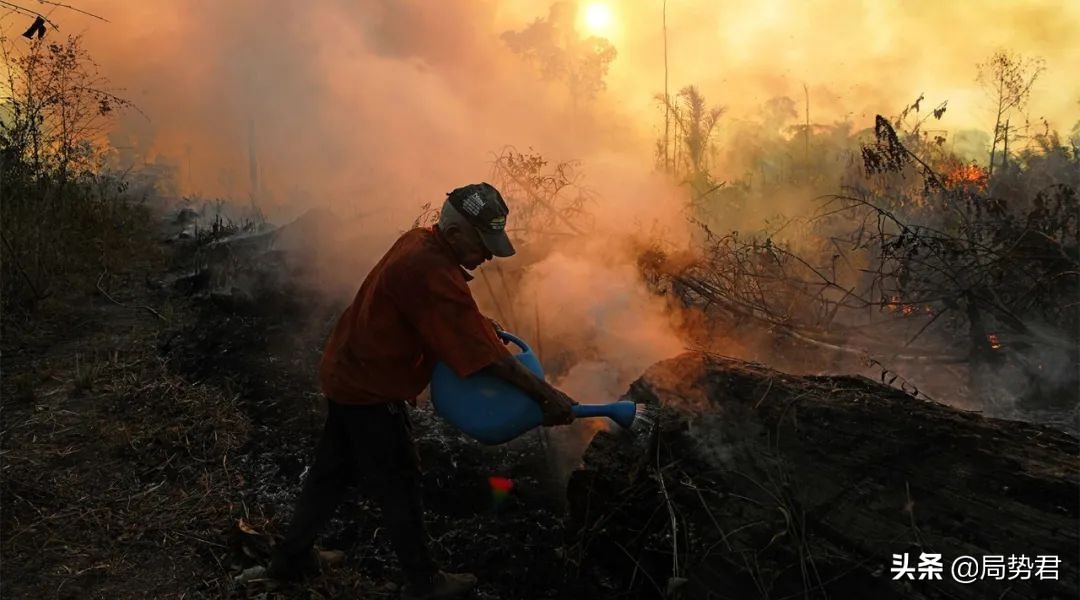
x,y
483,207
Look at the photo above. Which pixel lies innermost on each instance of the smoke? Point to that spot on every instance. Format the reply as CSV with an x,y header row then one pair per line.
x,y
856,59
593,307
346,106
372,109
392,103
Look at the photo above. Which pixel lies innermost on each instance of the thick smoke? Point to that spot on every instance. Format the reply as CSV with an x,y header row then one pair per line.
x,y
392,103
372,109
593,304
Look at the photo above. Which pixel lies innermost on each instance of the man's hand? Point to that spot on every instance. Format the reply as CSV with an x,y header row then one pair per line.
x,y
498,329
556,407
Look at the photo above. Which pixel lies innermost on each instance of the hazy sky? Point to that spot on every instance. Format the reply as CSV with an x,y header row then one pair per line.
x,y
405,99
855,57
379,106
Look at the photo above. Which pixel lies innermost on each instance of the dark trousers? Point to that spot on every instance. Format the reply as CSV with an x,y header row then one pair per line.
x,y
372,446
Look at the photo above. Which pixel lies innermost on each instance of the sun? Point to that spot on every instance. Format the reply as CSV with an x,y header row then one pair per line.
x,y
597,18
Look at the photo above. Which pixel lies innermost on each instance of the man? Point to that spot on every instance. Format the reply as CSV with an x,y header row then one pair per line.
x,y
413,309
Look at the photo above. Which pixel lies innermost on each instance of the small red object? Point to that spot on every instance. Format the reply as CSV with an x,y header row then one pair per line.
x,y
501,484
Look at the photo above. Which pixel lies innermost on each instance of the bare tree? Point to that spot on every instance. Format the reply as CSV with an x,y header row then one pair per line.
x,y
667,100
1007,79
55,212
57,107
551,202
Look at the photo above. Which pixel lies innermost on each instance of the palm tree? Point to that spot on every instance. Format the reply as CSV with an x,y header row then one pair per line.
x,y
695,122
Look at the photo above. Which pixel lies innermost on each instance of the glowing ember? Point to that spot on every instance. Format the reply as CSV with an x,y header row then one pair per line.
x,y
969,175
995,343
895,305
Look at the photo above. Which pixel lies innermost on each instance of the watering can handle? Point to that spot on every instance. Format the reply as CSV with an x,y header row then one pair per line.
x,y
516,340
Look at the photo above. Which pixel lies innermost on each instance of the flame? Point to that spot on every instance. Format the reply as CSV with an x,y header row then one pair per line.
x,y
995,343
895,305
967,175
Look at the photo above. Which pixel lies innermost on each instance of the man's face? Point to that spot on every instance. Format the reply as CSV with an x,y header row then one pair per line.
x,y
468,247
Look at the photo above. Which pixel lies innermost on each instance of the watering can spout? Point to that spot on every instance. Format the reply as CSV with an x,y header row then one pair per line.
x,y
622,412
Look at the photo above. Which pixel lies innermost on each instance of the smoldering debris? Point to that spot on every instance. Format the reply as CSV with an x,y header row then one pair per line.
x,y
756,480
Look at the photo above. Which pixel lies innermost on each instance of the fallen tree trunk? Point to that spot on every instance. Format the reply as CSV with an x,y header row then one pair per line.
x,y
757,484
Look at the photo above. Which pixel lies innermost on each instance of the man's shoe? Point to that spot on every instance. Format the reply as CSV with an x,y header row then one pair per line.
x,y
291,570
441,586
310,564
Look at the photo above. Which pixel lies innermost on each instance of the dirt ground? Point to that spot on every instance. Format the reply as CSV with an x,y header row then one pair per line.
x,y
154,440
155,433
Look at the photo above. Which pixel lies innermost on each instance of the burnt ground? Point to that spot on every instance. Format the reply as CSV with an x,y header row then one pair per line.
x,y
155,433
154,436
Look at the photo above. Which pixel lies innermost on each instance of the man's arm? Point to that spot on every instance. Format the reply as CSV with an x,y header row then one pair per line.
x,y
555,404
441,308
436,301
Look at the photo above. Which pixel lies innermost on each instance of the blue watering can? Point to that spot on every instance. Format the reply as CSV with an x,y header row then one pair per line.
x,y
493,411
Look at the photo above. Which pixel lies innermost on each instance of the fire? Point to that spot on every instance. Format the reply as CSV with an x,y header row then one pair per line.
x,y
968,175
995,343
895,305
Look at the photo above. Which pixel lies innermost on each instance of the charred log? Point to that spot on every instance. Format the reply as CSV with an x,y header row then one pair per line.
x,y
758,484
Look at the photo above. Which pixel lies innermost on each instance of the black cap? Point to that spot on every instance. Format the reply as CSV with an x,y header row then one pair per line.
x,y
483,207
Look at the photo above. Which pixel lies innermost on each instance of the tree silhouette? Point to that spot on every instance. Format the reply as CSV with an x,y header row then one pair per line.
x,y
695,123
1007,79
555,48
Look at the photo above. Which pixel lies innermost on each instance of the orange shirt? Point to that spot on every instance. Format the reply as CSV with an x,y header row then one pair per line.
x,y
414,308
